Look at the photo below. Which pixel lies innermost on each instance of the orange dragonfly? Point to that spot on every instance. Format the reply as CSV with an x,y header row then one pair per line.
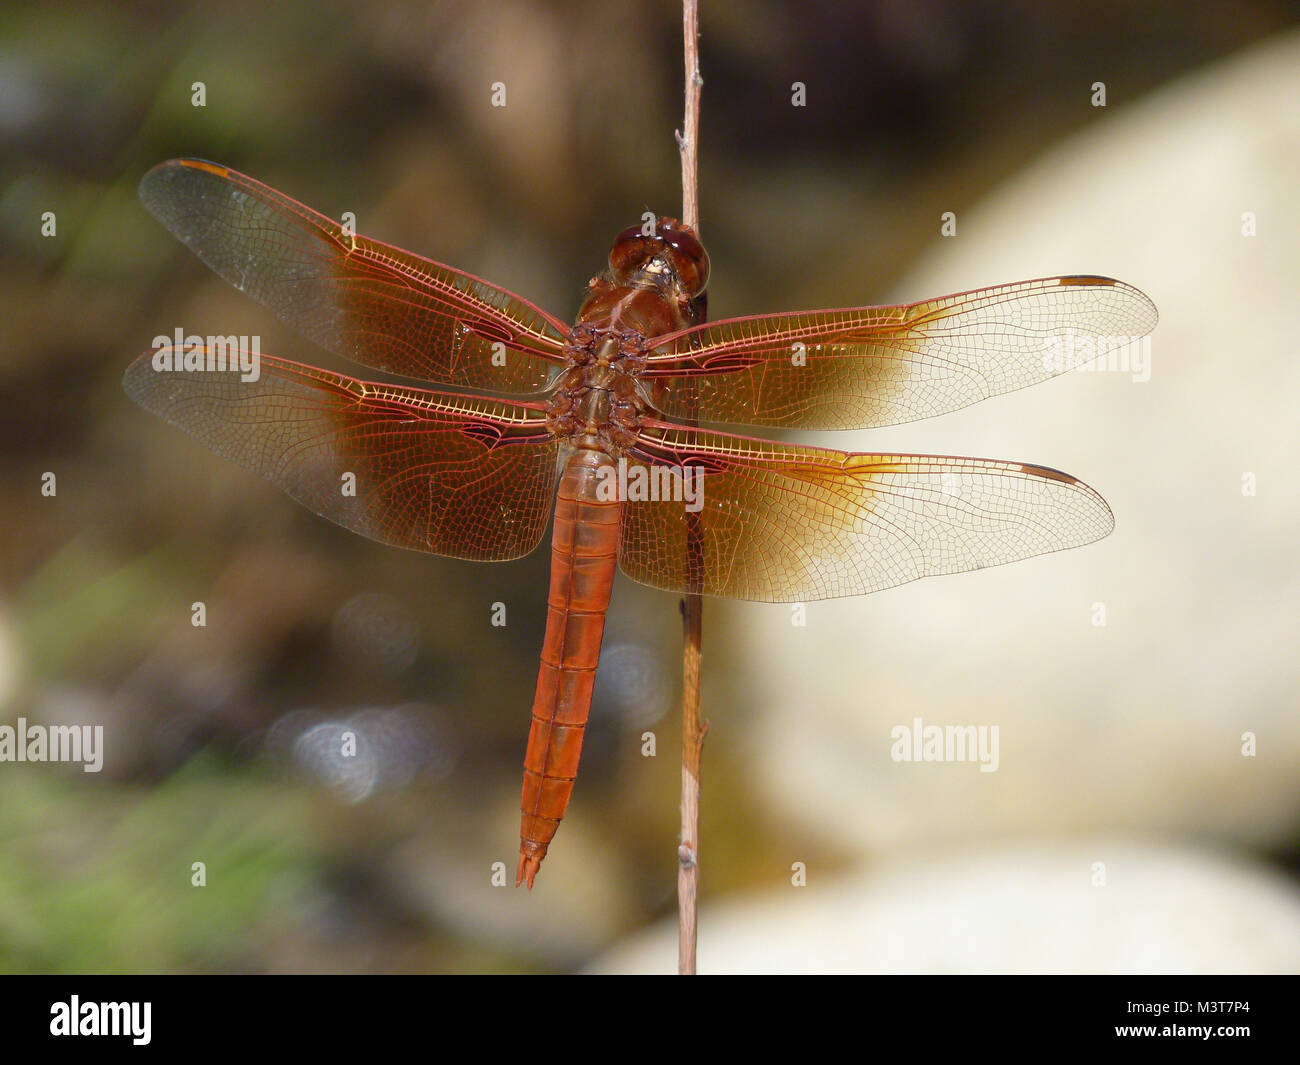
x,y
606,436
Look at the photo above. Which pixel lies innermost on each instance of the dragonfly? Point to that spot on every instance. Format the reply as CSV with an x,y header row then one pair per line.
x,y
593,428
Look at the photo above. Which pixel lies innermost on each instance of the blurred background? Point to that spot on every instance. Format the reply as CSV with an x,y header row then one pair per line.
x,y
1124,830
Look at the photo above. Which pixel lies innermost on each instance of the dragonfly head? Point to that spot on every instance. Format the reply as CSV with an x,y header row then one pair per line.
x,y
668,249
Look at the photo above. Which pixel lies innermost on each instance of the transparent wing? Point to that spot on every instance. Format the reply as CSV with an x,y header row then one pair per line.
x,y
462,476
362,299
784,523
868,366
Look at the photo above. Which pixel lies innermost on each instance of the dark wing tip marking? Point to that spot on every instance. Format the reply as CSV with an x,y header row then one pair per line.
x,y
1097,281
171,166
1049,473
200,164
1087,279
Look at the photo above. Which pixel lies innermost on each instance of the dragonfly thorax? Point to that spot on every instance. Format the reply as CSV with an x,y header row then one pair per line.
x,y
596,405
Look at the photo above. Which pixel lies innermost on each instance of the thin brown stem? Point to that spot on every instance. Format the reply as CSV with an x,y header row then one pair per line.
x,y
693,730
688,137
693,733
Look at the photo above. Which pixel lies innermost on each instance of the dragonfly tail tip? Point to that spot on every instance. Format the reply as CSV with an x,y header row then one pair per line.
x,y
528,866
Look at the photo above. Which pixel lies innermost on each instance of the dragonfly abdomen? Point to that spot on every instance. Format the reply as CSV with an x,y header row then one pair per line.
x,y
584,555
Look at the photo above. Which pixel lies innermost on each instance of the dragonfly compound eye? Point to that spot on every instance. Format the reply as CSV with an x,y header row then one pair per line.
x,y
675,245
687,255
631,252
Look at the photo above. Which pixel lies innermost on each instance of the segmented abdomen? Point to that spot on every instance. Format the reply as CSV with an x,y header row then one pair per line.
x,y
584,555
